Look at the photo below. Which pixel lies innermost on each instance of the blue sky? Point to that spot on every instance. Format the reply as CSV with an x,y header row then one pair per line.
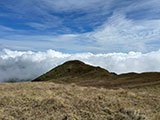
x,y
71,26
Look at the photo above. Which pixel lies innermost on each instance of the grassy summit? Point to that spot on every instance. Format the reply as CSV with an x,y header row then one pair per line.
x,y
75,71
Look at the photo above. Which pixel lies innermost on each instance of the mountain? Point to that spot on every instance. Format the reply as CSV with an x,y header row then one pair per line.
x,y
75,71
86,75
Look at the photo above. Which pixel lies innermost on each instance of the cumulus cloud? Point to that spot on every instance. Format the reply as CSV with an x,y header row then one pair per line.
x,y
18,65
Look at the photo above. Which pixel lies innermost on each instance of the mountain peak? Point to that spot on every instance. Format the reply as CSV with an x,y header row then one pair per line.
x,y
74,62
74,70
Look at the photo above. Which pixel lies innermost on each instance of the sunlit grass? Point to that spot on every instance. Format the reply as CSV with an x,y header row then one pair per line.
x,y
50,101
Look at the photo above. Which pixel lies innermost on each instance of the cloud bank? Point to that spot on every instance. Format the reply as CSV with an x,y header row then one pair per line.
x,y
19,65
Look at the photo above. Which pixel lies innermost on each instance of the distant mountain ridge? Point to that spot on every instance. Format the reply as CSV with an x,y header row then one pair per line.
x,y
83,74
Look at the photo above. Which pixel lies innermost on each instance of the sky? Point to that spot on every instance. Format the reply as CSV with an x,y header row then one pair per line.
x,y
71,26
128,31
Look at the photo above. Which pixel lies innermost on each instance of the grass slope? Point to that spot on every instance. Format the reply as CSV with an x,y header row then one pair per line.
x,y
82,74
51,101
75,71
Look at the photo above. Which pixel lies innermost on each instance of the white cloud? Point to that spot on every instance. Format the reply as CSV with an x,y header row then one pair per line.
x,y
4,28
122,34
117,34
73,5
27,65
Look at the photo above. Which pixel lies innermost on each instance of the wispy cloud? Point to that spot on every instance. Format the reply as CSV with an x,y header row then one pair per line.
x,y
56,13
125,34
4,28
117,34
96,26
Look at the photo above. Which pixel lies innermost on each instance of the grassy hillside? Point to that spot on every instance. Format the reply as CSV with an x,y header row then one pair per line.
x,y
85,75
51,101
75,71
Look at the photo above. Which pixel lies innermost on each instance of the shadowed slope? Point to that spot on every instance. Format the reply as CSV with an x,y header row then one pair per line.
x,y
86,75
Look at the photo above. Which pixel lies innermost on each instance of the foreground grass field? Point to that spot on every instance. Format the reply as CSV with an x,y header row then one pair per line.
x,y
50,101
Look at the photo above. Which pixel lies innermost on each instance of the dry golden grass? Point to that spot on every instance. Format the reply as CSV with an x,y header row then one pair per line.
x,y
50,101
